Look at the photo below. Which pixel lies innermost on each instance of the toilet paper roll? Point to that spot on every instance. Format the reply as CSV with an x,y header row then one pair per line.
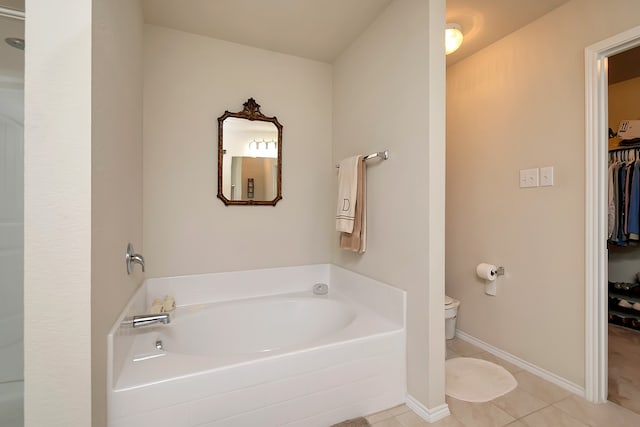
x,y
487,271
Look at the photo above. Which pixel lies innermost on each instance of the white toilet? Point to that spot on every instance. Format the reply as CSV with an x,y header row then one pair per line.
x,y
450,314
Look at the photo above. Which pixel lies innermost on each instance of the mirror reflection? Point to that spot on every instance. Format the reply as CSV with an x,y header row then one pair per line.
x,y
249,165
249,155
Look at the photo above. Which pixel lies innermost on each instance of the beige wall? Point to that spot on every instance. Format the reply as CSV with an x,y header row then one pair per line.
x,y
190,81
520,104
381,93
116,178
57,244
623,102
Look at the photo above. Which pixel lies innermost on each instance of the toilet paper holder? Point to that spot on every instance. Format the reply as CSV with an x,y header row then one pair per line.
x,y
489,272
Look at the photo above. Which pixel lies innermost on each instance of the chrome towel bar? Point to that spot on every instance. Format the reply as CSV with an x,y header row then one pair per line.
x,y
384,155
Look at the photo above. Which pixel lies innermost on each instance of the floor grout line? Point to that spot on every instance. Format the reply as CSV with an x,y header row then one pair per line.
x,y
539,390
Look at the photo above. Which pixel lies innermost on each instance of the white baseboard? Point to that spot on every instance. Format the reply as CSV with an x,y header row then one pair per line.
x,y
529,367
429,415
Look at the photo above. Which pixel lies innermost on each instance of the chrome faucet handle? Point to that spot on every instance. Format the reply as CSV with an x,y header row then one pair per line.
x,y
133,258
138,259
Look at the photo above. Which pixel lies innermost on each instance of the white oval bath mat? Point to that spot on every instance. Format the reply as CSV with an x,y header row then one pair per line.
x,y
477,380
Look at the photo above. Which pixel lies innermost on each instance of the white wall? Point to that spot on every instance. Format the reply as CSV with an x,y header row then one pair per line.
x,y
519,104
382,89
116,178
189,81
57,233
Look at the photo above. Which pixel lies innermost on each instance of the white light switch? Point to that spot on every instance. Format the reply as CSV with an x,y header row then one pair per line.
x,y
546,176
529,178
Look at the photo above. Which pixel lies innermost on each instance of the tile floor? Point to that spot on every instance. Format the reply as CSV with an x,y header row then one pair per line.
x,y
534,403
624,369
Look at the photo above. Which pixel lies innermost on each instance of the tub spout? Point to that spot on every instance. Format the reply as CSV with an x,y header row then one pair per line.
x,y
146,320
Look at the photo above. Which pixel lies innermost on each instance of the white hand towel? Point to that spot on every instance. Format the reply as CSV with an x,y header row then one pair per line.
x,y
357,240
347,192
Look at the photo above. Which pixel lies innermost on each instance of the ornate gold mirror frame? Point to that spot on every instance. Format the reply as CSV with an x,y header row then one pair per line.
x,y
234,188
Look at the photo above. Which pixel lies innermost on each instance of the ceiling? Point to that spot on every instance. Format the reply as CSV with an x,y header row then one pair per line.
x,y
315,29
624,66
322,29
484,22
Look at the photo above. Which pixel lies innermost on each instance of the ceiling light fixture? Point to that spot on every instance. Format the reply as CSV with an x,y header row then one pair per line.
x,y
15,42
452,38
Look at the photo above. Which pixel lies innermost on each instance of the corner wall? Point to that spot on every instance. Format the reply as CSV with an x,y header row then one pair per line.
x,y
189,81
383,85
519,104
57,243
116,177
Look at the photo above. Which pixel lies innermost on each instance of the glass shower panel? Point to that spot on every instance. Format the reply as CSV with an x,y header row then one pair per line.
x,y
11,222
11,269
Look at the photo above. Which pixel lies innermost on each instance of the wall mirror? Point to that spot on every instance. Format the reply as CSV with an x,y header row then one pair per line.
x,y
249,157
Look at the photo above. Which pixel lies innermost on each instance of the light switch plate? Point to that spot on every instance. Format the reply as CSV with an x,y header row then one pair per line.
x,y
546,176
529,178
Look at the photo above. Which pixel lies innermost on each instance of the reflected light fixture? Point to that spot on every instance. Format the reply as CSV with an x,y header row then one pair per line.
x,y
263,148
15,42
452,38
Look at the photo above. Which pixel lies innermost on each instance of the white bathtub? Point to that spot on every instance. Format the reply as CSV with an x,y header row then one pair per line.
x,y
286,357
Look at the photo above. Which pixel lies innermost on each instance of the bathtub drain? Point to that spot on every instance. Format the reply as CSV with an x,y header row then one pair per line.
x,y
320,289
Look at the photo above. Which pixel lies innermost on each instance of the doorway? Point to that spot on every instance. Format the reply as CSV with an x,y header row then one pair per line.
x,y
596,216
623,241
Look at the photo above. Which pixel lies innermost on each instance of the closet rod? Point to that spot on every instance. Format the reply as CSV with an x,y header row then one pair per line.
x,y
626,147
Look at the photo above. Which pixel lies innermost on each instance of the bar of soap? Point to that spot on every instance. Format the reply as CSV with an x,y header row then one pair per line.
x,y
169,304
157,306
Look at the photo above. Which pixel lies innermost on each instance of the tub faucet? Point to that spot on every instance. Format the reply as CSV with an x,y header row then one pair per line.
x,y
140,320
133,258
